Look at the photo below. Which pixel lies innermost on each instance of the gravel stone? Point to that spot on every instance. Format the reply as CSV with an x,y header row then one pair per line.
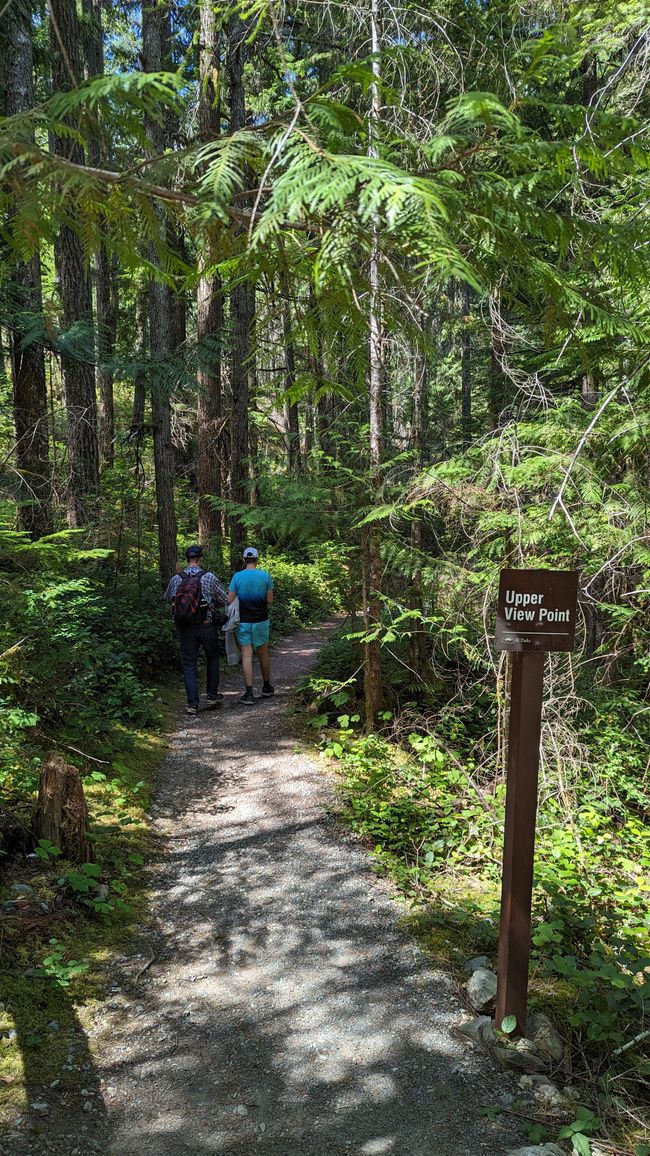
x,y
478,961
538,1150
523,1056
547,1041
481,989
479,1030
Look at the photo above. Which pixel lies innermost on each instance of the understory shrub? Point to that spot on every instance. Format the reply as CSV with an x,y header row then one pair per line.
x,y
428,797
79,644
304,592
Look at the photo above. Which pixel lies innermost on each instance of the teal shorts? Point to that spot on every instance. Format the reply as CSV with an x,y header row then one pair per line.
x,y
253,633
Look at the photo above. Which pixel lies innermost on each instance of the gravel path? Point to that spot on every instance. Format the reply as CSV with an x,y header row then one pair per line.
x,y
275,1007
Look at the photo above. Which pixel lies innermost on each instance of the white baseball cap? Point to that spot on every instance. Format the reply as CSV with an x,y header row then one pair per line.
x,y
250,552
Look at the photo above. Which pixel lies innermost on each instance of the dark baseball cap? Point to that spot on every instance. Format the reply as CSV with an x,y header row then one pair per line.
x,y
194,552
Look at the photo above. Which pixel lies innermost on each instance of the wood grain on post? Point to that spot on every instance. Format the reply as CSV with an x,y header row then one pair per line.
x,y
519,841
536,612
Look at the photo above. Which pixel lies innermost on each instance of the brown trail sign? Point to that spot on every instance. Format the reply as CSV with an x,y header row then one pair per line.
x,y
536,612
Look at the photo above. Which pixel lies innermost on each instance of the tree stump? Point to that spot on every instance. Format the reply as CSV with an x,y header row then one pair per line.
x,y
62,814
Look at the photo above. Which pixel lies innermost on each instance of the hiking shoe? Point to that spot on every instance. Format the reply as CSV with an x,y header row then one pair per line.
x,y
214,699
267,690
191,710
247,699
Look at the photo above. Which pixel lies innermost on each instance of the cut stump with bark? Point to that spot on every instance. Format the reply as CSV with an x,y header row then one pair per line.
x,y
62,813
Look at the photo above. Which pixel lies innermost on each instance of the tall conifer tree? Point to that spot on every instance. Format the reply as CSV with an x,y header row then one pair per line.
x,y
25,319
76,296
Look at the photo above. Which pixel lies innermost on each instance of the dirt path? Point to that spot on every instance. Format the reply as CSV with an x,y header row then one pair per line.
x,y
278,1009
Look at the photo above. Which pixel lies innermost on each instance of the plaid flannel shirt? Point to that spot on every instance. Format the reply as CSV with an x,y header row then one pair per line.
x,y
211,589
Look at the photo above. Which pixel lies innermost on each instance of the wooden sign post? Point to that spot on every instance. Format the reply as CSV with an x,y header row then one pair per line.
x,y
536,613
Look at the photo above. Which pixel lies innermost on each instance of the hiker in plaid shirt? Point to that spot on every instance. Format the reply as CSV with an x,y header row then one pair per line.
x,y
194,635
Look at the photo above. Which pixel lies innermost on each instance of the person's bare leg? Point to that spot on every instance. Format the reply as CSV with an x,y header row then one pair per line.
x,y
247,664
265,661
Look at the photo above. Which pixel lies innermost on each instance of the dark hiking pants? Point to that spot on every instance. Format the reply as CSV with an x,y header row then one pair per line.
x,y
191,639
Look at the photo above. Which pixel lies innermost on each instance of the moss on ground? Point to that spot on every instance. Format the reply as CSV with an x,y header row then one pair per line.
x,y
40,1020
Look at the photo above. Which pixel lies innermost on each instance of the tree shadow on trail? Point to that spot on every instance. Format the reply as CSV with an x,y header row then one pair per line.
x,y
279,1009
293,1020
56,1066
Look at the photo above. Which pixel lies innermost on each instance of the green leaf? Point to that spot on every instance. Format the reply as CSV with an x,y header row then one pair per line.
x,y
581,1145
491,1112
508,1024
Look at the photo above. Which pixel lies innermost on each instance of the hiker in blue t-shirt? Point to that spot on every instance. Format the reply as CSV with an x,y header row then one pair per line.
x,y
254,588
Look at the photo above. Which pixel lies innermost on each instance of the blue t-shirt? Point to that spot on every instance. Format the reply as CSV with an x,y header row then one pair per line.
x,y
251,587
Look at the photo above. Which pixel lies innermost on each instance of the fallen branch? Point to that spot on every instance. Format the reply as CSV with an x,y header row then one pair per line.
x,y
580,446
144,968
631,1043
67,747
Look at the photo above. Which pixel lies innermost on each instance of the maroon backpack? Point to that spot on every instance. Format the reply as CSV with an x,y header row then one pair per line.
x,y
186,603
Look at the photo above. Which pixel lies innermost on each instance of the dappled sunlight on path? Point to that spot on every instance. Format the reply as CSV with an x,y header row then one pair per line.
x,y
283,1012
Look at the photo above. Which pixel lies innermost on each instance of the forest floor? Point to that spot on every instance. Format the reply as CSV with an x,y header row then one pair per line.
x,y
274,1005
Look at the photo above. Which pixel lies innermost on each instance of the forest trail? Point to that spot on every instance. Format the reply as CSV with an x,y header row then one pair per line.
x,y
275,1007
284,1013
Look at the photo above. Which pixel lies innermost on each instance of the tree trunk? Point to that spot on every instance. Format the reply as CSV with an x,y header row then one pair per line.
x,y
497,387
106,304
76,295
163,450
241,310
589,391
324,405
240,324
107,314
253,442
209,330
139,380
292,434
588,79
371,548
417,640
209,304
155,42
177,298
62,814
309,431
291,420
93,49
465,365
27,354
326,423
